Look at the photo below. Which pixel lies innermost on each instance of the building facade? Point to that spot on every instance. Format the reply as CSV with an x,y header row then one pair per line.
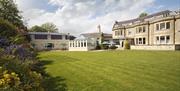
x,y
46,40
82,43
89,41
159,31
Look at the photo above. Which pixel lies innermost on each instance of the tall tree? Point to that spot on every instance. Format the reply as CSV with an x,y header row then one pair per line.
x,y
37,29
7,29
50,27
10,12
143,15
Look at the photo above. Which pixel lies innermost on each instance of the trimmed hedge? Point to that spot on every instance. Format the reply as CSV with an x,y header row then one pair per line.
x,y
126,44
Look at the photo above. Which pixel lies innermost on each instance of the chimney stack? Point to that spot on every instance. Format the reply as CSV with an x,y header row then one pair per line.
x,y
99,28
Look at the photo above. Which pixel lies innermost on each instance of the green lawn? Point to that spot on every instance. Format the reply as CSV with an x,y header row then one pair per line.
x,y
113,70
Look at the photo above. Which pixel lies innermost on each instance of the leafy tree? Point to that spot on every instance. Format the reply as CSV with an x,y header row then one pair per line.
x,y
37,29
18,39
50,27
46,27
7,29
143,15
9,33
10,12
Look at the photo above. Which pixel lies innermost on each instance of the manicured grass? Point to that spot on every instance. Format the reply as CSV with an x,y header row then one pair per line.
x,y
114,70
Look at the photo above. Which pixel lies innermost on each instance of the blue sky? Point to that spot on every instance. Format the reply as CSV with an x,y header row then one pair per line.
x,y
165,5
79,16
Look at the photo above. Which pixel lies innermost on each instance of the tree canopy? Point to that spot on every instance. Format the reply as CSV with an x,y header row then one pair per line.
x,y
10,12
46,27
37,29
50,27
143,15
7,29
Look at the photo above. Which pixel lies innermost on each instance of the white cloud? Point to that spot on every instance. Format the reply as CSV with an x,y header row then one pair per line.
x,y
79,16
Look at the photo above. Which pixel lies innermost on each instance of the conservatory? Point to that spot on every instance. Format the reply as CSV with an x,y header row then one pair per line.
x,y
82,43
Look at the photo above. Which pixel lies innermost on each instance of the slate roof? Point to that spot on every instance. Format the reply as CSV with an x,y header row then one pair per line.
x,y
97,35
146,17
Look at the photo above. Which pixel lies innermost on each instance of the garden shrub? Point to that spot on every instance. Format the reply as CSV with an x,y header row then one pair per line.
x,y
126,44
9,80
98,47
104,46
113,47
7,29
29,78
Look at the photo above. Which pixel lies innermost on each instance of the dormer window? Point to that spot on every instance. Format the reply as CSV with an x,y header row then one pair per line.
x,y
166,14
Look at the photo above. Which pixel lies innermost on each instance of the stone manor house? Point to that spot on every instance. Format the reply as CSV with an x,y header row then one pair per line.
x,y
158,31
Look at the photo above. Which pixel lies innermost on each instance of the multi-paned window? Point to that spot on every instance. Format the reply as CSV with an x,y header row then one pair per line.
x,y
85,44
56,36
157,39
137,41
144,29
129,32
144,40
73,44
162,26
81,44
118,32
140,41
167,39
167,25
157,27
141,29
121,32
40,36
163,39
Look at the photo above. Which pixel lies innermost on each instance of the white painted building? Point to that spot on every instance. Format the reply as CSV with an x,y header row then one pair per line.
x,y
82,43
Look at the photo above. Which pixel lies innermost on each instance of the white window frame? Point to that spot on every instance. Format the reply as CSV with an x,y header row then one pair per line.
x,y
165,41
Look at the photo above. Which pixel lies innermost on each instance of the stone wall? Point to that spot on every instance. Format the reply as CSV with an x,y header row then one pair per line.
x,y
78,49
58,44
155,47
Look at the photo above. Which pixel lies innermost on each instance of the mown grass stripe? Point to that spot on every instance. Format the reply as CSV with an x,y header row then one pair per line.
x,y
121,70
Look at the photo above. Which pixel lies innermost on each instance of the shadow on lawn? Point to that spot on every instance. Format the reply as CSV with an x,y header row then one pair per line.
x,y
55,84
52,83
